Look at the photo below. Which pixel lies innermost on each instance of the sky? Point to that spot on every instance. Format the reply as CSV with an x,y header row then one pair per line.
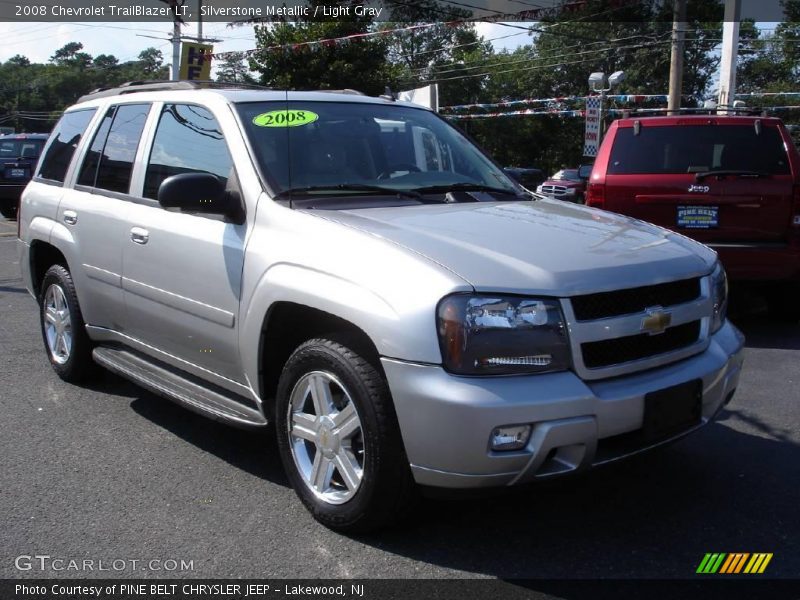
x,y
39,41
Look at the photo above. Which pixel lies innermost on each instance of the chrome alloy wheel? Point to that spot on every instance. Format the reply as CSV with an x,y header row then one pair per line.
x,y
325,437
57,324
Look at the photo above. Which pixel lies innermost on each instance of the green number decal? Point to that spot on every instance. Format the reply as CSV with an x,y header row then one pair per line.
x,y
285,118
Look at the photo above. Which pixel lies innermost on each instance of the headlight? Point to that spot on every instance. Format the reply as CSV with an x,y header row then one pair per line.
x,y
499,335
719,297
570,191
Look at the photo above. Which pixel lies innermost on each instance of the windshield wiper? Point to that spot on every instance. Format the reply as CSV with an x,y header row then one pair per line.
x,y
740,173
465,186
348,187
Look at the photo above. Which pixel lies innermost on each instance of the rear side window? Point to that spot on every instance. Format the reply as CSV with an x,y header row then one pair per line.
x,y
698,148
188,140
63,141
109,163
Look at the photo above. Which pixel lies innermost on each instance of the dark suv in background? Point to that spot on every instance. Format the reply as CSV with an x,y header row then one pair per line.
x,y
19,154
731,182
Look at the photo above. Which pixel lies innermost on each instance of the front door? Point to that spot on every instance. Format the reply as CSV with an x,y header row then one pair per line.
x,y
182,272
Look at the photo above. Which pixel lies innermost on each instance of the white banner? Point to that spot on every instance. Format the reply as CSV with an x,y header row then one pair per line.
x,y
424,96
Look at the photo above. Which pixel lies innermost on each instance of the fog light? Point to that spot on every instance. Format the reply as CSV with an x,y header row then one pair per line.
x,y
510,437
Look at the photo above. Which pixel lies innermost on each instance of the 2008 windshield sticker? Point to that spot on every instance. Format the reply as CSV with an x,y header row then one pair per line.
x,y
285,118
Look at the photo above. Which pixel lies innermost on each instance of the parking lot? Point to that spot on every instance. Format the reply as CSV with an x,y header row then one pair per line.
x,y
109,471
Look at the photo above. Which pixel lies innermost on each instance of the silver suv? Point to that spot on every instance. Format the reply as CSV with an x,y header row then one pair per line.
x,y
356,271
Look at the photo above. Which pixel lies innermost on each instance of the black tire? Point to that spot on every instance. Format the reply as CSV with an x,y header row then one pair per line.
x,y
386,489
9,211
783,303
77,364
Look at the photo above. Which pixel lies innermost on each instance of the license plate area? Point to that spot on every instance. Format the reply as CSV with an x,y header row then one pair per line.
x,y
16,173
672,410
698,217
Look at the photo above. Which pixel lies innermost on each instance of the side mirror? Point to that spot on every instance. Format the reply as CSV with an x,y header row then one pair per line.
x,y
197,192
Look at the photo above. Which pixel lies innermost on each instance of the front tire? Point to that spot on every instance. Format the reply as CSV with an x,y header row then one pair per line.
x,y
68,347
339,439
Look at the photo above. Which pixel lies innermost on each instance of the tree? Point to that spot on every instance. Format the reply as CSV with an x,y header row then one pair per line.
x,y
70,55
151,63
286,60
234,69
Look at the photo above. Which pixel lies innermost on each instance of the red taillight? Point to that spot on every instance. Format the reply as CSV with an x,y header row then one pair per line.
x,y
596,195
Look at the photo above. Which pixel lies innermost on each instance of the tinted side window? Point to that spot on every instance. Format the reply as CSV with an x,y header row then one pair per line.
x,y
188,140
109,163
88,172
62,144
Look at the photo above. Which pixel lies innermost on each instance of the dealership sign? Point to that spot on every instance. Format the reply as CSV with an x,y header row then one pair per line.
x,y
196,61
591,139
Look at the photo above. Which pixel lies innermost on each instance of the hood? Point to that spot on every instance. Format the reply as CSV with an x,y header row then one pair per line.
x,y
567,183
545,247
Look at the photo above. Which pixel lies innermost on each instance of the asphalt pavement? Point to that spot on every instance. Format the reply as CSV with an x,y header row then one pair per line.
x,y
109,472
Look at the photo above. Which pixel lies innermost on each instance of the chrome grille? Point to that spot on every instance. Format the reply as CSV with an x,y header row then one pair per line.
x,y
609,336
633,300
554,190
642,345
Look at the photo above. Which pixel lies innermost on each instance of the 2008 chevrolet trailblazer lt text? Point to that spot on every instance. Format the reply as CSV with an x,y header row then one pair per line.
x,y
357,271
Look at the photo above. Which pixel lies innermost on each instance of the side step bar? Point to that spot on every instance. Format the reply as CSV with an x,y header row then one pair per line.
x,y
160,379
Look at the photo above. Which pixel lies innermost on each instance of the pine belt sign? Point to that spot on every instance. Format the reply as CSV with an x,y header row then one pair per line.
x,y
196,61
591,139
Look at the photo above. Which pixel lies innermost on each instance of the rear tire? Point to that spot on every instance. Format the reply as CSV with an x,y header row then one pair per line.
x,y
68,347
783,303
339,439
8,211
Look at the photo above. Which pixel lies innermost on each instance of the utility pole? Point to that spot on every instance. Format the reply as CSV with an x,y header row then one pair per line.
x,y
730,49
176,49
200,21
676,58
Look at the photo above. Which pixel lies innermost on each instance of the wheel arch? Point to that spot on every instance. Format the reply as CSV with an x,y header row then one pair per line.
x,y
288,324
42,256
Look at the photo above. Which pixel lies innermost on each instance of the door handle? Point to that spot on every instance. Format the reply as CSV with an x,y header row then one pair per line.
x,y
70,217
139,235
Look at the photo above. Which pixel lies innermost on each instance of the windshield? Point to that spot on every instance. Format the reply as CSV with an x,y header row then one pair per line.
x,y
568,175
344,148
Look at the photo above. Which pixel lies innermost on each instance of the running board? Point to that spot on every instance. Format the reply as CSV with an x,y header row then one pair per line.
x,y
219,405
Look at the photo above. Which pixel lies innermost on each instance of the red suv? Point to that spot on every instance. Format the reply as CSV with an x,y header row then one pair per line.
x,y
732,182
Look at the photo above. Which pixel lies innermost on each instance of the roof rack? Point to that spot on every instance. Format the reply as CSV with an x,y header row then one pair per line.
x,y
718,110
160,86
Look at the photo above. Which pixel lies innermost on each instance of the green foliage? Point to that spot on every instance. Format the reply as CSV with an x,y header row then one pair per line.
x,y
234,70
46,89
358,64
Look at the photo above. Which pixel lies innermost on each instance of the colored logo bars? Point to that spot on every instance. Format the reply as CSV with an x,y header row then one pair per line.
x,y
737,562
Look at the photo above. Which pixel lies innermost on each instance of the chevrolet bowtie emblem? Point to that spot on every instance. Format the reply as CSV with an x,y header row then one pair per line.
x,y
656,321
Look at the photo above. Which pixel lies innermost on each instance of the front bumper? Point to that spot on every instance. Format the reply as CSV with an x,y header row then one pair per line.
x,y
446,420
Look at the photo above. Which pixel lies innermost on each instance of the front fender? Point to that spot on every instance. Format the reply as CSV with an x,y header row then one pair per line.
x,y
285,282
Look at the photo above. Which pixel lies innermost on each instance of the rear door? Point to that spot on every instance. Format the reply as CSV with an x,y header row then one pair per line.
x,y
655,175
94,211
